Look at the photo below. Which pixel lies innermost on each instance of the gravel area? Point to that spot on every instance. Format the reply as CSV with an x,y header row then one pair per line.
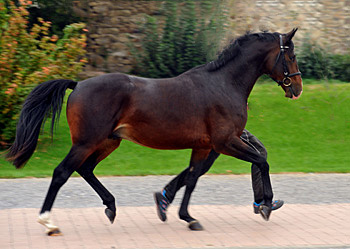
x,y
211,189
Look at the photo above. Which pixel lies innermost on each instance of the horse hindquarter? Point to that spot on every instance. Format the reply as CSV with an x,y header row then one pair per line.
x,y
95,107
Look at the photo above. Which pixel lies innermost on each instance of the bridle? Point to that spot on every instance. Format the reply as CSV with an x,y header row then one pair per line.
x,y
287,76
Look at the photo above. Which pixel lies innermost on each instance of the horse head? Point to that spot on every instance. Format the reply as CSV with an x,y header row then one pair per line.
x,y
282,66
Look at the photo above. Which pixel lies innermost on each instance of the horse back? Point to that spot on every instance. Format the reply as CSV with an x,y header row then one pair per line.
x,y
180,112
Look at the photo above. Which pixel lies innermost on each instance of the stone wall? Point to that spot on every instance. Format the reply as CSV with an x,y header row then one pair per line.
x,y
325,21
114,25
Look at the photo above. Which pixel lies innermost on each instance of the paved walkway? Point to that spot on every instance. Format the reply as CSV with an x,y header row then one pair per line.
x,y
316,214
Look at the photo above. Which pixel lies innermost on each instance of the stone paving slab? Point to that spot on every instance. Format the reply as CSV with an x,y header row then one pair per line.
x,y
226,226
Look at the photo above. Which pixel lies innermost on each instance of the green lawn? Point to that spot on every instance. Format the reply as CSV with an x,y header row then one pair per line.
x,y
311,134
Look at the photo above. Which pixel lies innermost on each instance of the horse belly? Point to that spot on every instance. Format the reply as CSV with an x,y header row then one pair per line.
x,y
167,139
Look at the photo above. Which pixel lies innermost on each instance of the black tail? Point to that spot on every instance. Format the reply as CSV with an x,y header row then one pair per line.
x,y
44,99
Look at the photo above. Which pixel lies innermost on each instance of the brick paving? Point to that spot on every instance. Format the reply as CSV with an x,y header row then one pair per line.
x,y
319,220
294,226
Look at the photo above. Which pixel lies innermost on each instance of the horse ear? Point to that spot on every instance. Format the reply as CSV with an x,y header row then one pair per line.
x,y
290,35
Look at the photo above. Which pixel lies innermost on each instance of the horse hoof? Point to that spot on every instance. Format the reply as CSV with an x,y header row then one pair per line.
x,y
110,214
265,212
54,232
195,226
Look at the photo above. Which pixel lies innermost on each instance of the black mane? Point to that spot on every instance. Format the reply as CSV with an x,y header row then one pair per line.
x,y
234,49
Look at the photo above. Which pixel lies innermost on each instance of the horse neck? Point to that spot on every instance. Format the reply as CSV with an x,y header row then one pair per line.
x,y
242,73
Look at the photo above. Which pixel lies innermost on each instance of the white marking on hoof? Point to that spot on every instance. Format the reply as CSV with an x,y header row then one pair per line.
x,y
44,219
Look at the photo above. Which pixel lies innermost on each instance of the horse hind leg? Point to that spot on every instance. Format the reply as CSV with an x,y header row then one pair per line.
x,y
76,156
86,171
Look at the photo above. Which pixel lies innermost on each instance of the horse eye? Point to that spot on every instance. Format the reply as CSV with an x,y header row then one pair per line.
x,y
292,58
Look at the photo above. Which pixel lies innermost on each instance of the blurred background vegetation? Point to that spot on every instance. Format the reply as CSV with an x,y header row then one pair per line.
x,y
190,36
31,53
45,39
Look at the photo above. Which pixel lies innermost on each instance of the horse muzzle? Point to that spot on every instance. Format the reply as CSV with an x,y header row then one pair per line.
x,y
293,90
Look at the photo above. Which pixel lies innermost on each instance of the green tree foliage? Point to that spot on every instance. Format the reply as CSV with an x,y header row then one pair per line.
x,y
189,36
30,57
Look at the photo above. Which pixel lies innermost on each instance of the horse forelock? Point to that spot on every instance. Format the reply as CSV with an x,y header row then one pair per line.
x,y
236,47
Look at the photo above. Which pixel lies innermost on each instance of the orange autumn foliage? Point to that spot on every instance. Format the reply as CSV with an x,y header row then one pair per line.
x,y
29,57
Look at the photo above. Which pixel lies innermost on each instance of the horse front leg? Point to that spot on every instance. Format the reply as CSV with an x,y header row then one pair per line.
x,y
261,184
261,194
237,148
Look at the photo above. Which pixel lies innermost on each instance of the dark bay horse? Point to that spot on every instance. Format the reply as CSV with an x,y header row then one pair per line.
x,y
203,109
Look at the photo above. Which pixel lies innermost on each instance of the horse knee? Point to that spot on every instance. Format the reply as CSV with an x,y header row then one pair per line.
x,y
263,152
263,158
257,159
190,185
191,181
260,157
264,166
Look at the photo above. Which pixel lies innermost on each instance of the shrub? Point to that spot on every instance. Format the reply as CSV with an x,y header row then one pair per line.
x,y
316,63
29,57
313,60
189,36
59,12
340,67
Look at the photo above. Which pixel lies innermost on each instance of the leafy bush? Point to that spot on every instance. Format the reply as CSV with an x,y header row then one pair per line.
x,y
189,37
59,12
29,57
340,67
316,63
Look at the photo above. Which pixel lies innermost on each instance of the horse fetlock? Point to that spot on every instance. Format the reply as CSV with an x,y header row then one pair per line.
x,y
110,205
186,217
45,220
109,202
